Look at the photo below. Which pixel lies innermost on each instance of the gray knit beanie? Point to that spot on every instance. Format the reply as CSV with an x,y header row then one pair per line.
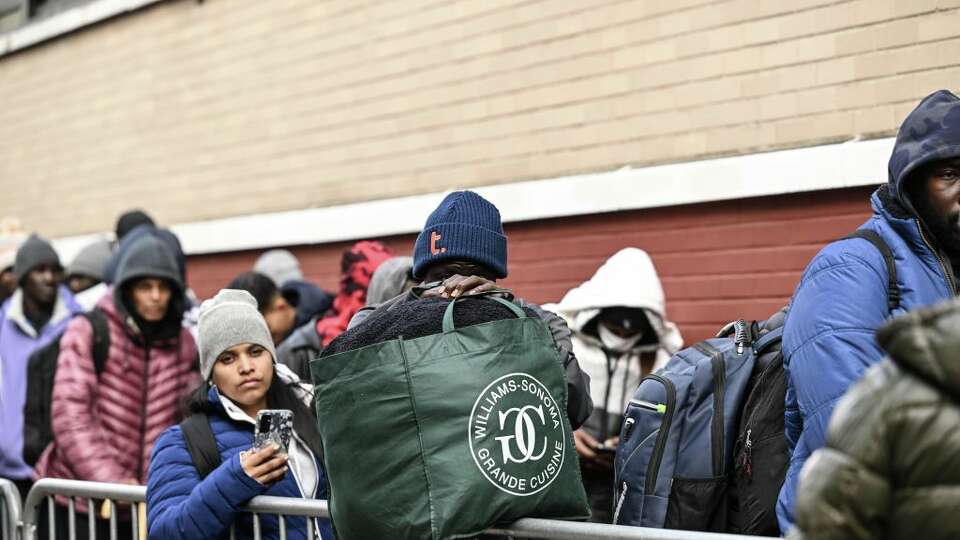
x,y
34,252
91,261
230,318
279,265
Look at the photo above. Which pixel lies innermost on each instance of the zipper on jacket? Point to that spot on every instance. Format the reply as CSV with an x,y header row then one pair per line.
x,y
947,275
654,468
143,411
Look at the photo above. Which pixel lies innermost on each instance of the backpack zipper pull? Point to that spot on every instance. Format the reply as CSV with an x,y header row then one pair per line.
x,y
628,427
748,456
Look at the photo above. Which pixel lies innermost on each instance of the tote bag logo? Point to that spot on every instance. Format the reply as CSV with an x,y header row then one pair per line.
x,y
516,434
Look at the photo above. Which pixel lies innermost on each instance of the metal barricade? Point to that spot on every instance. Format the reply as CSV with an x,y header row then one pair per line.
x,y
283,507
90,492
9,510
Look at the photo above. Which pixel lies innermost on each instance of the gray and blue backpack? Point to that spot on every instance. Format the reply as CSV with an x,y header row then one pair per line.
x,y
702,445
674,466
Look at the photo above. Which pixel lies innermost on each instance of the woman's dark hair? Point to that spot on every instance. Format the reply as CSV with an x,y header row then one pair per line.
x,y
261,287
280,395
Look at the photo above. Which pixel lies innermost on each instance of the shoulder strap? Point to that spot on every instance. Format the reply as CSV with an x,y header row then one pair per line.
x,y
101,338
893,290
201,443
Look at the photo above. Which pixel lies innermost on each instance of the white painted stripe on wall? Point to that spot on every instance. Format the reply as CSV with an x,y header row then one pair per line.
x,y
855,163
68,21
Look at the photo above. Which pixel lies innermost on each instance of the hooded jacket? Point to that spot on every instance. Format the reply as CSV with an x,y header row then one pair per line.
x,y
841,301
104,429
891,464
18,340
391,279
627,279
357,266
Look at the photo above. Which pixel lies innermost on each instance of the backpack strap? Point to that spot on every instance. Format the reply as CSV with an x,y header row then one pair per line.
x,y
101,339
893,290
201,443
768,339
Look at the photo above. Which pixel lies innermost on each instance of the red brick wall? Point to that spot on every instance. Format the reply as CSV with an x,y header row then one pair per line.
x,y
718,261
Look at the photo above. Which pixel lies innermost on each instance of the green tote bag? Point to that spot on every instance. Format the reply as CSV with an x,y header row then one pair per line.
x,y
446,435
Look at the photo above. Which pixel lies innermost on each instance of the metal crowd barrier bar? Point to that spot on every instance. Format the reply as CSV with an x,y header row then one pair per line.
x,y
285,507
9,510
111,494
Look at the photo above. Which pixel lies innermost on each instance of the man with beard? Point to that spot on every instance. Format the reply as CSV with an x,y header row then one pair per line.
x,y
36,313
844,295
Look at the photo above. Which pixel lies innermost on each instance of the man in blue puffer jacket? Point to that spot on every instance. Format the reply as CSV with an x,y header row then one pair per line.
x,y
828,340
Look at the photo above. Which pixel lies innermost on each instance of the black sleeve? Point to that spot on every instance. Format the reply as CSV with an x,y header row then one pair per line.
x,y
579,403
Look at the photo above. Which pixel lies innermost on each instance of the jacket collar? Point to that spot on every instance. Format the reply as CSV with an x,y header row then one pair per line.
x,y
229,408
907,225
16,314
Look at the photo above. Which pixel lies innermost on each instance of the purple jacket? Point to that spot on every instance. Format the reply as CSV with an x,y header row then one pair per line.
x,y
18,340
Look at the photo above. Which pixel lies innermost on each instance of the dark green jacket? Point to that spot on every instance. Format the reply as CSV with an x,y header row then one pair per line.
x,y
891,465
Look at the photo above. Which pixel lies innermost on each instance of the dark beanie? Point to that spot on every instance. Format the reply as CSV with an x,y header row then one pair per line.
x,y
464,227
34,252
131,220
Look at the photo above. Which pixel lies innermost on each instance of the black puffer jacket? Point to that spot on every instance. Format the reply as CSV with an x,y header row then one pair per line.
x,y
891,465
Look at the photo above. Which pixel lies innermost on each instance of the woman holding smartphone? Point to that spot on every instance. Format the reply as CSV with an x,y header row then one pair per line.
x,y
242,378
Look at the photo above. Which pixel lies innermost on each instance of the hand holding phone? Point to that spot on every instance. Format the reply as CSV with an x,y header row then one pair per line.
x,y
265,465
604,449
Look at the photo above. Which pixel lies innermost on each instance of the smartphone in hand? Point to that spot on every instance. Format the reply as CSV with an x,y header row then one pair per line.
x,y
274,426
604,449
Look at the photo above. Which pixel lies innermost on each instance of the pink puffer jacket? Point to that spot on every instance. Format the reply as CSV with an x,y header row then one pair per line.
x,y
104,430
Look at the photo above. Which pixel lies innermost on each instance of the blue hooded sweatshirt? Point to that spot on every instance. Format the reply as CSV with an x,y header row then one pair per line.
x,y
828,339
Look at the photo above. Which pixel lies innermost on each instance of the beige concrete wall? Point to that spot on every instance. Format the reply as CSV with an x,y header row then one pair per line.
x,y
228,107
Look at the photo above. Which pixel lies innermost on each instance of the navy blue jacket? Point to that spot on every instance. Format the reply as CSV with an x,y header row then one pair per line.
x,y
180,505
829,336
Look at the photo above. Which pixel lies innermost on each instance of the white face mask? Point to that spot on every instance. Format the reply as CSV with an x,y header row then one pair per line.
x,y
616,343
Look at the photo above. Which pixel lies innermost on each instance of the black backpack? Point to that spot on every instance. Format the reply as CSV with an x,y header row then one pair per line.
x,y
41,371
201,443
760,454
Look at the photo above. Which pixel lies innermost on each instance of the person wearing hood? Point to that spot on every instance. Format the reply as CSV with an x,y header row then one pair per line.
x,y
104,427
889,465
85,273
462,251
241,377
283,268
356,266
392,278
130,220
191,305
620,334
842,299
38,311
